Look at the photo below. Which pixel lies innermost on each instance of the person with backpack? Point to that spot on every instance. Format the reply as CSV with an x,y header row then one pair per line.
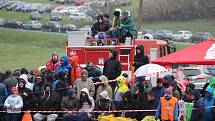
x,y
75,69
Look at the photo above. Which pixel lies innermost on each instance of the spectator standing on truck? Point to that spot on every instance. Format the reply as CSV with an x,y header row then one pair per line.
x,y
140,58
127,28
53,63
112,68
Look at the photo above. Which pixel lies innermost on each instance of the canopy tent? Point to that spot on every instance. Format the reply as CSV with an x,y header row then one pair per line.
x,y
199,54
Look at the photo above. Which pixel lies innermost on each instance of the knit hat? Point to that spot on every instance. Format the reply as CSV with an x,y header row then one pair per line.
x,y
104,94
169,90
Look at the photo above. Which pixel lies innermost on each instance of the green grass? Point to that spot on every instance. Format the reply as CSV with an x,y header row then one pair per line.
x,y
180,46
28,49
194,26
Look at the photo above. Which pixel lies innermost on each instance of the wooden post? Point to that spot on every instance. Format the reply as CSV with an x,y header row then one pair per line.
x,y
139,17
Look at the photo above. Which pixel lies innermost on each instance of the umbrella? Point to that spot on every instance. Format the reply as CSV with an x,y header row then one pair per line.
x,y
148,69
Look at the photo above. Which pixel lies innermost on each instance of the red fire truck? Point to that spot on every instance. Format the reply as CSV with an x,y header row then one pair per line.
x,y
98,54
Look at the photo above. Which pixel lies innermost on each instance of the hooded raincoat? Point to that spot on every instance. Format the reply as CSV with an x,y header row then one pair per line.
x,y
65,66
120,89
209,101
140,59
75,69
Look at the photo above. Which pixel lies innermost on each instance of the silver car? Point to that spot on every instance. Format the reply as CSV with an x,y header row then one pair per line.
x,y
80,16
197,75
32,25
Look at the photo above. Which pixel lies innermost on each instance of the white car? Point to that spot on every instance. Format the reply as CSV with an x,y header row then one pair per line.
x,y
80,16
182,36
197,75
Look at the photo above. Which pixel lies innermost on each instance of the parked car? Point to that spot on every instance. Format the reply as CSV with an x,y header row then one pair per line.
x,y
197,75
68,27
122,2
182,36
19,6
211,70
52,26
26,8
32,25
11,6
200,36
61,1
163,34
2,22
85,28
55,17
35,16
80,16
13,24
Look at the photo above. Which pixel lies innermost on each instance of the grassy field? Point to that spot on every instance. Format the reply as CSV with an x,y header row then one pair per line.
x,y
28,49
193,26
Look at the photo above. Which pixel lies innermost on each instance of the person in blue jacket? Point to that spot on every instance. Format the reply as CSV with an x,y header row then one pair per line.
x,y
64,65
209,101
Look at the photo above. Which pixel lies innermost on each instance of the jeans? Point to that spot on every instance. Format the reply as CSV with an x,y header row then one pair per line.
x,y
12,117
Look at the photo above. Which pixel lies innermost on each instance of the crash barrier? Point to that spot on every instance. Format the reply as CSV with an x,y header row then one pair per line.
x,y
111,111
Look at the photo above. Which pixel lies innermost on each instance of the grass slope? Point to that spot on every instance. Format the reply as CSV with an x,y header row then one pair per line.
x,y
28,49
194,26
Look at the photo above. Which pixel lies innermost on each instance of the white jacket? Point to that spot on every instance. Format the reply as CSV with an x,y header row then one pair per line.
x,y
28,84
13,103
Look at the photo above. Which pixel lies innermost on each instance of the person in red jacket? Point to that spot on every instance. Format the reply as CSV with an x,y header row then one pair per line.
x,y
53,63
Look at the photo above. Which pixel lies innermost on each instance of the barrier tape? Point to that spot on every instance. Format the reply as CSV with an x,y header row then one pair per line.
x,y
114,111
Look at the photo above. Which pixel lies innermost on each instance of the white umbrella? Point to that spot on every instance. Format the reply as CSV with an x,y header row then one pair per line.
x,y
149,69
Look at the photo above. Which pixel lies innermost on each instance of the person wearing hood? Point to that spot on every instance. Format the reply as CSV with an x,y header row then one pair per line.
x,y
209,102
93,71
198,113
64,65
127,28
104,103
140,58
75,69
168,107
158,91
62,85
28,85
104,87
70,102
112,68
29,99
53,63
84,82
87,103
13,104
49,101
99,26
119,91
129,103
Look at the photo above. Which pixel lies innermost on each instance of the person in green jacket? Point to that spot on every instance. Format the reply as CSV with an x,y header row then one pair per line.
x,y
212,85
127,28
